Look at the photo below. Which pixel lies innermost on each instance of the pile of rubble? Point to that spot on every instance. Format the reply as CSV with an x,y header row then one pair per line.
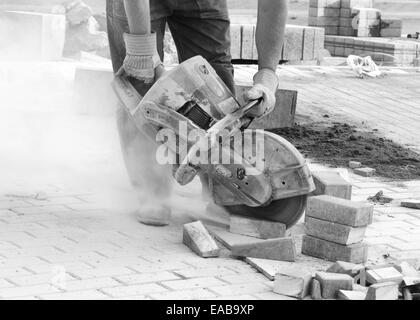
x,y
335,227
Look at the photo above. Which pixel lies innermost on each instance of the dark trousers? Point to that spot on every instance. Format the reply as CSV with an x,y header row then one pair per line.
x,y
199,27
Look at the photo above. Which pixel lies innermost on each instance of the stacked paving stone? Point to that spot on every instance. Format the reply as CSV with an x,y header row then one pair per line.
x,y
300,43
355,18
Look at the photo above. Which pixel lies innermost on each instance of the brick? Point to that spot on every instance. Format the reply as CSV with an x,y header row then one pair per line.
x,y
391,23
293,43
204,272
391,32
350,213
335,232
324,12
351,295
88,284
351,269
356,3
383,275
236,41
355,164
282,249
319,42
229,239
407,269
37,36
324,3
247,42
199,240
345,12
308,44
316,293
411,203
332,282
293,283
262,229
383,291
331,183
356,253
331,30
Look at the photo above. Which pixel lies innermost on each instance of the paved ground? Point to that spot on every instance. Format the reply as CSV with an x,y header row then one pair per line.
x,y
66,207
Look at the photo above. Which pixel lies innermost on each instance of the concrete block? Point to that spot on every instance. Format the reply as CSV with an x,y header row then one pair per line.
x,y
229,239
411,281
316,293
254,46
283,114
236,41
383,275
328,21
346,22
293,283
332,282
391,23
356,3
199,240
282,249
262,229
319,248
324,12
331,183
319,42
350,213
345,12
331,30
351,295
324,3
308,44
32,36
365,172
391,33
293,43
334,232
351,269
247,42
407,269
383,291
411,203
355,164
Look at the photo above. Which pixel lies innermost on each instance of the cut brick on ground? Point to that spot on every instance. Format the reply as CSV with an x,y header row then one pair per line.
x,y
351,295
316,293
332,282
365,172
257,228
293,283
383,291
282,249
383,275
331,183
199,240
351,269
411,203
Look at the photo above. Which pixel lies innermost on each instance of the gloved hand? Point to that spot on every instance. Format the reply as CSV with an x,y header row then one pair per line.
x,y
142,60
265,86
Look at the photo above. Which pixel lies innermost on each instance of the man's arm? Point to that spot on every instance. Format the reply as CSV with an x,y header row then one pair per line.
x,y
272,16
138,15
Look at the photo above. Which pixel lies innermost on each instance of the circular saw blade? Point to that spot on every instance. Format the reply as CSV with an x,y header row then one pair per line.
x,y
287,211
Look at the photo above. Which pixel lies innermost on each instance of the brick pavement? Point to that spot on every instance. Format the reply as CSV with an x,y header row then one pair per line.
x,y
80,242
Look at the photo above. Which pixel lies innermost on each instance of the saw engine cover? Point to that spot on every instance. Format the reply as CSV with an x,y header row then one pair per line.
x,y
271,180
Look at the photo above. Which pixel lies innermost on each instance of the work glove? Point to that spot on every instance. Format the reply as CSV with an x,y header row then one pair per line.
x,y
265,87
142,60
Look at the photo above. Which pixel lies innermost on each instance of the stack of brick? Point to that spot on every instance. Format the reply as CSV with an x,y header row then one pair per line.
x,y
335,229
356,18
300,43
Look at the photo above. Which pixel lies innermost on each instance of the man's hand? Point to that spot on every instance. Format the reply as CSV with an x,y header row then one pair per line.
x,y
142,60
265,86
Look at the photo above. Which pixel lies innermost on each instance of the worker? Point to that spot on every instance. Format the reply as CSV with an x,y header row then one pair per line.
x,y
136,31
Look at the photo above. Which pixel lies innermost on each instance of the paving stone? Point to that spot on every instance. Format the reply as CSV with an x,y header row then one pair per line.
x,y
356,253
236,41
247,42
324,3
365,172
282,249
199,240
407,269
293,43
204,282
351,213
351,269
383,291
332,282
351,295
262,229
272,296
410,281
316,293
229,239
308,44
355,164
335,232
411,203
319,41
331,183
356,3
147,277
383,275
133,290
293,283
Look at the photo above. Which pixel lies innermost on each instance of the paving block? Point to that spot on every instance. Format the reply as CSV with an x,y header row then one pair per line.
x,y
351,295
247,42
332,282
34,36
407,269
324,3
365,172
343,211
229,239
199,240
331,183
383,275
308,44
411,203
319,42
391,32
316,293
334,232
236,41
331,30
293,43
356,3
366,13
319,248
383,291
262,229
254,45
293,283
351,269
358,287
355,164
345,12
411,281
324,12
282,249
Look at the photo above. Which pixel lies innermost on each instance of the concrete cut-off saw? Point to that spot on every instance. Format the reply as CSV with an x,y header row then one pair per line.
x,y
192,94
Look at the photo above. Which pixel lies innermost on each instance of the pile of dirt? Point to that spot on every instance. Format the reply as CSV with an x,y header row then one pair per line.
x,y
338,143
